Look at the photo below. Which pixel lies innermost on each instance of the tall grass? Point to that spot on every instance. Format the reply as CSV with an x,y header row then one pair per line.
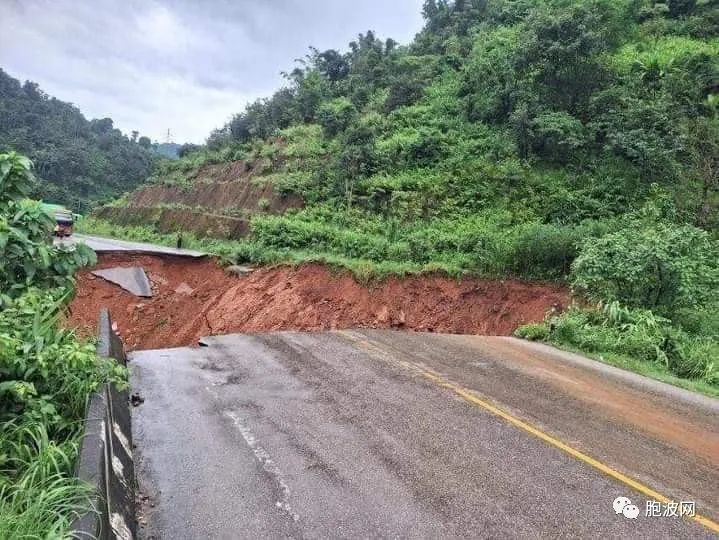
x,y
47,376
39,496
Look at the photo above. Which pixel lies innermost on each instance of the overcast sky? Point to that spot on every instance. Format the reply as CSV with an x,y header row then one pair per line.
x,y
186,65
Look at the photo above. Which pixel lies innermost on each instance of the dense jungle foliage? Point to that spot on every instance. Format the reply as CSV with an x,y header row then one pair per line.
x,y
77,162
46,373
550,139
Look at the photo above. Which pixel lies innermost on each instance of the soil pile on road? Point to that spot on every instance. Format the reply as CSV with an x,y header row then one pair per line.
x,y
195,298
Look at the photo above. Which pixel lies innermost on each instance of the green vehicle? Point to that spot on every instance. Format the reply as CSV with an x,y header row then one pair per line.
x,y
64,219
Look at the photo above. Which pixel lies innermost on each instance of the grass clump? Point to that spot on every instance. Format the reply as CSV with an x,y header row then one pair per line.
x,y
635,339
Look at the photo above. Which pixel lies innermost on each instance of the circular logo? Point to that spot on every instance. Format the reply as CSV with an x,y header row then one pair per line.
x,y
630,511
620,503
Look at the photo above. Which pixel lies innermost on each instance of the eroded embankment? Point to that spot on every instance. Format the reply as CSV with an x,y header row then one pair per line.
x,y
194,298
214,201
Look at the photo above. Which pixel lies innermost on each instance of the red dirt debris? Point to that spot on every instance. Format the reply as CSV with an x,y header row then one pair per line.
x,y
194,298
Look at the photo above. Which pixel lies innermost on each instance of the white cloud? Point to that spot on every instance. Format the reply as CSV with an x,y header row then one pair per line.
x,y
159,29
179,64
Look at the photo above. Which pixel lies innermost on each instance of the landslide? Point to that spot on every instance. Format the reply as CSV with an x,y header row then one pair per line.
x,y
194,298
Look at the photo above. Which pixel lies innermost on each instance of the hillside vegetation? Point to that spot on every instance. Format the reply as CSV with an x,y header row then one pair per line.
x,y
552,139
77,162
46,373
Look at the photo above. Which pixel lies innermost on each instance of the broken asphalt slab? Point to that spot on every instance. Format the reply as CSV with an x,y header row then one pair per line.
x,y
132,279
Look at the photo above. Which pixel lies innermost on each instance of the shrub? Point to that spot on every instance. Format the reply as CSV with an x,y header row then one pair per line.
x,y
541,250
27,256
556,136
263,204
678,8
33,355
46,373
659,266
533,332
303,141
334,116
301,183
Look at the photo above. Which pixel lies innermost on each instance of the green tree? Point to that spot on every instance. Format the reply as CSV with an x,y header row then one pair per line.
x,y
563,48
678,8
658,265
704,151
27,256
334,116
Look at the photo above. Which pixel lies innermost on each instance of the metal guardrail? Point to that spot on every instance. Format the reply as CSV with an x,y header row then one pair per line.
x,y
106,453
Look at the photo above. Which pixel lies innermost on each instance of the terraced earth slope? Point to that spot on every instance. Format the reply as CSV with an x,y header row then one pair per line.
x,y
213,200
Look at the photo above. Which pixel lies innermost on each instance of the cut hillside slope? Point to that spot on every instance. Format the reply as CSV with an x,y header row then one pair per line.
x,y
231,187
195,298
212,200
176,219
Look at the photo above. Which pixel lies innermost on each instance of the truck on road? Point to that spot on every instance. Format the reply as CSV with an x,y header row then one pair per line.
x,y
64,219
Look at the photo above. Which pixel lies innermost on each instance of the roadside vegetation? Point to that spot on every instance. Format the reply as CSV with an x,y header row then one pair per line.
x,y
144,233
655,285
46,372
250,251
554,139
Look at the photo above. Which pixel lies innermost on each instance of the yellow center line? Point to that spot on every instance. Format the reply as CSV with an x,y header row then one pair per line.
x,y
471,397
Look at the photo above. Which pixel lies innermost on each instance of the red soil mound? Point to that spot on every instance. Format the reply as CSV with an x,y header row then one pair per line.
x,y
194,298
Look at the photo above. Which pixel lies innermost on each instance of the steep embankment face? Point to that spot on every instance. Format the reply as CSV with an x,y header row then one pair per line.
x,y
195,298
214,200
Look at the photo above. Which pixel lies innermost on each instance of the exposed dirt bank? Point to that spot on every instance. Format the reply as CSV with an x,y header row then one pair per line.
x,y
215,201
171,220
233,185
194,298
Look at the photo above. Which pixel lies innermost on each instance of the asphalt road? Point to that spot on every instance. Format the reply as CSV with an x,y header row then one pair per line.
x,y
378,434
104,245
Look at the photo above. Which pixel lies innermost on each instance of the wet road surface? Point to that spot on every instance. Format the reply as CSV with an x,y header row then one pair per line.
x,y
105,245
406,435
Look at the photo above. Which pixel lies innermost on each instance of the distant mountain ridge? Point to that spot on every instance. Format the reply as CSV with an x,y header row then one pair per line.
x,y
78,162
